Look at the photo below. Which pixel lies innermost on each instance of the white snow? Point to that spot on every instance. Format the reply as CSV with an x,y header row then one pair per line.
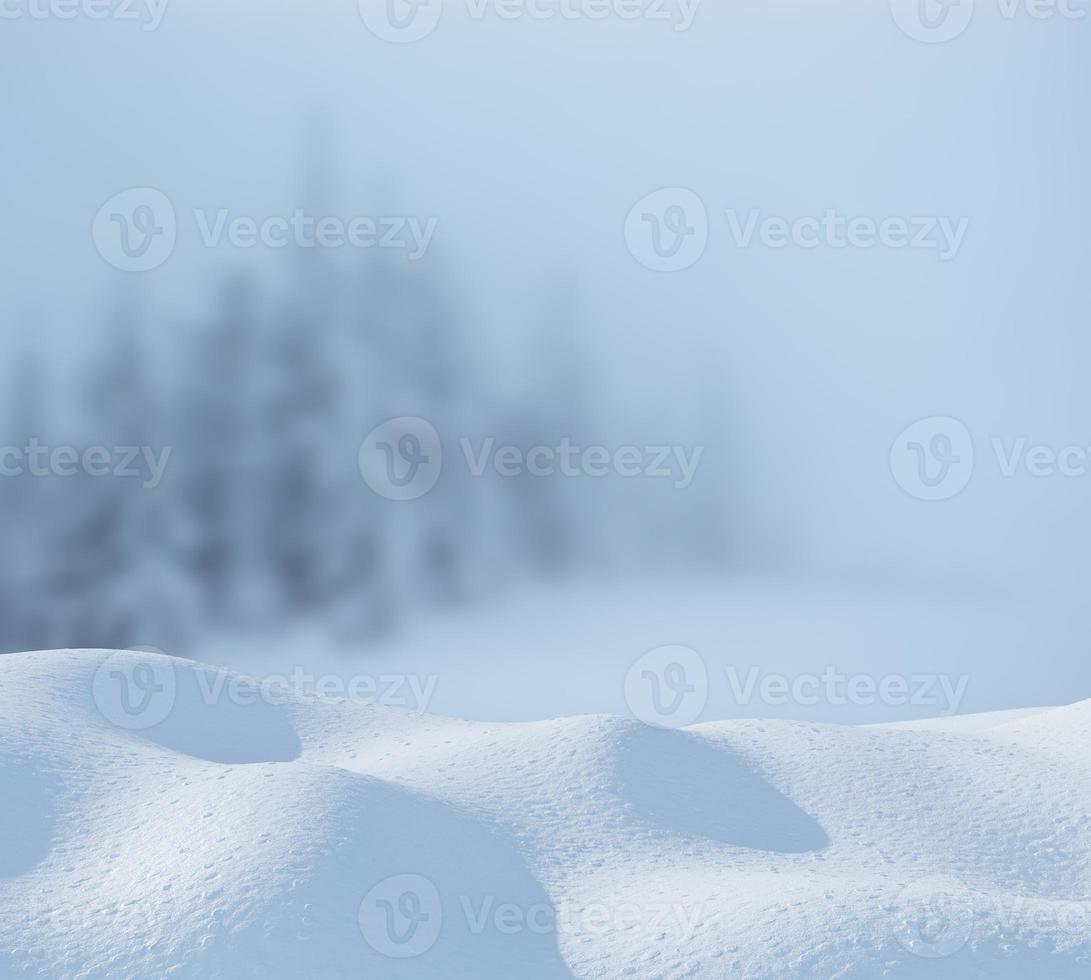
x,y
158,819
965,723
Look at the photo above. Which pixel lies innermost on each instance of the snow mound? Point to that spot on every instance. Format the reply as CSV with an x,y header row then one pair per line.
x,y
161,818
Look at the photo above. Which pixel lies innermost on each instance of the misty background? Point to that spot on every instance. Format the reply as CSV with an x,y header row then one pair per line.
x,y
527,320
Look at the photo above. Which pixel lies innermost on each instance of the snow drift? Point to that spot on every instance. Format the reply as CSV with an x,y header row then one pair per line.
x,y
162,818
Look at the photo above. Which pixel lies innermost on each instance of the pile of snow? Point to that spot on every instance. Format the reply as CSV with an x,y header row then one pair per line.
x,y
162,818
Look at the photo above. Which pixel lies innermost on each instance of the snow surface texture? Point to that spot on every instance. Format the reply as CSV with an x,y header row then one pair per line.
x,y
161,818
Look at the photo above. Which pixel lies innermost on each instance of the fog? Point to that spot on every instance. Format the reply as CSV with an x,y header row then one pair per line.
x,y
794,358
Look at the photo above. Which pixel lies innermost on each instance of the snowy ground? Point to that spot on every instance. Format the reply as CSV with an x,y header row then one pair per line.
x,y
161,818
